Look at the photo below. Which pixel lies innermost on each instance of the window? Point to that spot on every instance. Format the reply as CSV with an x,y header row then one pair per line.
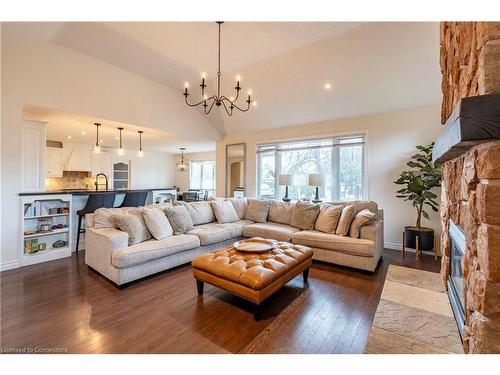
x,y
202,175
339,159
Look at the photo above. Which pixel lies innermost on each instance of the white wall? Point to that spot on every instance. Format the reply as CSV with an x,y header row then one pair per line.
x,y
51,76
391,140
182,178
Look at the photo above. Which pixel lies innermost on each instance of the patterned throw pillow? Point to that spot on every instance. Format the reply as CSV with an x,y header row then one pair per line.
x,y
328,218
257,210
304,215
346,218
224,212
157,223
363,217
179,219
134,225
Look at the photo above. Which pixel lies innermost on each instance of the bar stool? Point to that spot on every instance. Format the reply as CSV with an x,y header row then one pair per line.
x,y
94,202
134,199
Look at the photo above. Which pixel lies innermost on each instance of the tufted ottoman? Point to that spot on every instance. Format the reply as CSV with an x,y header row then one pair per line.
x,y
254,277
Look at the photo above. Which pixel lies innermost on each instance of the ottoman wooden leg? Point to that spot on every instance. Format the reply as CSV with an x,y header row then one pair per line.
x,y
199,286
257,313
305,274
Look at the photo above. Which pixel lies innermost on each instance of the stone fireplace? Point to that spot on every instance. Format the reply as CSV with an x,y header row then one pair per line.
x,y
469,150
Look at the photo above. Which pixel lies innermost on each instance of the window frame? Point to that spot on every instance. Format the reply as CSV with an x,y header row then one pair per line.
x,y
201,174
274,147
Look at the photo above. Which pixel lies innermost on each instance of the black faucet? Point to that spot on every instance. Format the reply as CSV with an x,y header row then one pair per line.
x,y
96,183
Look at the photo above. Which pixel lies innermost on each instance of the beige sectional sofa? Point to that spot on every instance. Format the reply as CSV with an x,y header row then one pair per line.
x,y
108,252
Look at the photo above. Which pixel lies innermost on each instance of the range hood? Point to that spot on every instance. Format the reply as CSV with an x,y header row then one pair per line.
x,y
475,119
78,158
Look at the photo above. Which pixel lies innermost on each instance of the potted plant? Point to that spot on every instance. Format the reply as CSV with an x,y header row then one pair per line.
x,y
418,183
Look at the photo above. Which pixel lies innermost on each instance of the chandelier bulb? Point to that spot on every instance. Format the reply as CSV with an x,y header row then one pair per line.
x,y
204,75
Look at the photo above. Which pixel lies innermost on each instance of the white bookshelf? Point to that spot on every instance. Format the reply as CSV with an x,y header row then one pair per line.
x,y
35,208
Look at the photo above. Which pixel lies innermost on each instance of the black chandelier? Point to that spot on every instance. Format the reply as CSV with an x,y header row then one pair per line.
x,y
229,104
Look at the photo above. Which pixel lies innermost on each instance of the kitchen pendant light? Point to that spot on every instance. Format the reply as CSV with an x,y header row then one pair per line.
x,y
182,167
141,152
121,151
97,147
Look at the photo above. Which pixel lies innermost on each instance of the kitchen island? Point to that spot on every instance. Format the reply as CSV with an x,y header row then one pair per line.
x,y
78,199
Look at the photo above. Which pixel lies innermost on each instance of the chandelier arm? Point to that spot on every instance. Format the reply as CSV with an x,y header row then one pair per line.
x,y
227,111
197,104
240,109
210,108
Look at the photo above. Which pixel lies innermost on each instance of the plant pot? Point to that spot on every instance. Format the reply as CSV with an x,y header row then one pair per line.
x,y
425,238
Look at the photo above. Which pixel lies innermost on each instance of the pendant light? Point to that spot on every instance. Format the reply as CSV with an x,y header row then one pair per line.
x,y
182,167
140,153
97,147
121,151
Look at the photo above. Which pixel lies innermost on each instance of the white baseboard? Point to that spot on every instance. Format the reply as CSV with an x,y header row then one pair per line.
x,y
399,246
5,266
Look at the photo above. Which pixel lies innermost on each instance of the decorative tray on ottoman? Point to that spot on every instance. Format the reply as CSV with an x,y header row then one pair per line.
x,y
255,245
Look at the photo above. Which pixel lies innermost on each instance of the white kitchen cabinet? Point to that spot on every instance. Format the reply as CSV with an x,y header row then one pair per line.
x,y
78,157
102,163
33,156
53,162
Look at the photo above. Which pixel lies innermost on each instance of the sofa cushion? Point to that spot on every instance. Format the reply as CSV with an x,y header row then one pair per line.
x,y
363,217
157,222
153,249
348,245
304,215
213,232
257,210
224,211
200,212
240,206
179,218
328,218
132,223
275,231
103,216
345,221
280,212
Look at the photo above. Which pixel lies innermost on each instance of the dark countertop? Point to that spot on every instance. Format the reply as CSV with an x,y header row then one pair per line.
x,y
87,192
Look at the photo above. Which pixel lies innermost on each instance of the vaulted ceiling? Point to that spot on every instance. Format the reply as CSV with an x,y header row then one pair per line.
x,y
371,67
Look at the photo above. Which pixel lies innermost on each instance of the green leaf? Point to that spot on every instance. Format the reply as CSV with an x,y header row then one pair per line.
x,y
425,214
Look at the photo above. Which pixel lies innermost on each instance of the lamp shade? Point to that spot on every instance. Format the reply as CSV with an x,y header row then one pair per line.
x,y
285,179
317,180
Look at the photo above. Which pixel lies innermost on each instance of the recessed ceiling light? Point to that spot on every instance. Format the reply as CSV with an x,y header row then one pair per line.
x,y
328,86
82,133
69,137
101,140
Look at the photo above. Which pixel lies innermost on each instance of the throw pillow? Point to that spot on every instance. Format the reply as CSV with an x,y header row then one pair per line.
x,y
328,218
281,212
363,217
103,217
346,218
304,215
157,223
257,210
224,212
240,206
179,219
134,225
200,212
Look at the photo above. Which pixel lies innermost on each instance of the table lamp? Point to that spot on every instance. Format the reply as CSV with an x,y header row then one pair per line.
x,y
285,180
316,180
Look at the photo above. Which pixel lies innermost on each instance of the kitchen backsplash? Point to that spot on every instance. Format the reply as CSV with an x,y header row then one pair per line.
x,y
70,180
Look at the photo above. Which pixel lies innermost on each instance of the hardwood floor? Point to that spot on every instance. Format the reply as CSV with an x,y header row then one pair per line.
x,y
66,307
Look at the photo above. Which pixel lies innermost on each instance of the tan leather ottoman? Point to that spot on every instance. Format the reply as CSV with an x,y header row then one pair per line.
x,y
254,277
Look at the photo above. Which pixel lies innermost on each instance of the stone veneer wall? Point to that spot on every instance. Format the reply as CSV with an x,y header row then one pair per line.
x,y
470,66
470,196
470,61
